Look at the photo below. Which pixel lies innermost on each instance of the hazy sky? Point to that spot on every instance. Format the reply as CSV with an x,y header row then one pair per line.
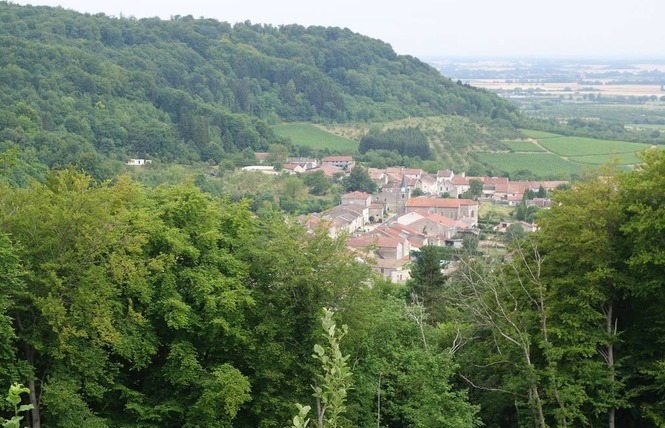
x,y
485,28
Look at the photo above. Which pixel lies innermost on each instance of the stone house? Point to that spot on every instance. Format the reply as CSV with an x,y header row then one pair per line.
x,y
464,210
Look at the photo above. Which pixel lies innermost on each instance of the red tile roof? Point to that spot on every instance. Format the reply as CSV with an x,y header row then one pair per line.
x,y
439,202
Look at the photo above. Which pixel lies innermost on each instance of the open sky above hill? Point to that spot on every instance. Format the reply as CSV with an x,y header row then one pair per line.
x,y
587,29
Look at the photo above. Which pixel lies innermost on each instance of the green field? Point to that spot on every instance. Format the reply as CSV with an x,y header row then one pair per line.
x,y
580,146
522,146
308,135
622,159
544,165
538,134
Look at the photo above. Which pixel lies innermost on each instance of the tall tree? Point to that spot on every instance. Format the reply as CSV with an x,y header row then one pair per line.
x,y
640,317
360,180
427,279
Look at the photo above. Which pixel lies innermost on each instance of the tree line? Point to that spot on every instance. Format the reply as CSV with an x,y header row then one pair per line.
x,y
408,141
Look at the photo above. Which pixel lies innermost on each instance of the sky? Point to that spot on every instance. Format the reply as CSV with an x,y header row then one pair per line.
x,y
579,29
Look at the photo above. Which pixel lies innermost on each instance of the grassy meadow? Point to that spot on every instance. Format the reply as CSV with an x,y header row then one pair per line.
x,y
308,135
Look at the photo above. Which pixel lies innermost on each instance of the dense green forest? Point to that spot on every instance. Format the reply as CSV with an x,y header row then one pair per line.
x,y
88,90
129,306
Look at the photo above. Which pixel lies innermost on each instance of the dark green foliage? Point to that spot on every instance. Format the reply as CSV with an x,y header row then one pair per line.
x,y
359,180
514,232
318,183
427,279
405,141
129,307
93,91
567,331
475,189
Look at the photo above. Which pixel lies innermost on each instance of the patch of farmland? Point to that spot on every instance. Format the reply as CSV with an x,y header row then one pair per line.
x,y
538,134
621,159
522,146
544,165
580,146
308,135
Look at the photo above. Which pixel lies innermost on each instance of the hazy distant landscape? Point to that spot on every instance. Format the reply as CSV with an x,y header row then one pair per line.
x,y
550,88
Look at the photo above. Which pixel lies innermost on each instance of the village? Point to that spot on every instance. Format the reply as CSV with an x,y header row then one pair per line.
x,y
410,209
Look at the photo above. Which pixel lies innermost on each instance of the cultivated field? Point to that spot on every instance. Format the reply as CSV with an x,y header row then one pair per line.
x,y
523,146
579,146
557,156
308,135
544,165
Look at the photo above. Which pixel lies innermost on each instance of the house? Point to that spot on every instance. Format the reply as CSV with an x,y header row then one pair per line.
x,y
293,168
138,162
539,202
444,182
346,219
260,168
386,253
305,163
400,171
261,157
464,210
342,162
328,170
416,238
459,185
397,271
377,211
360,198
379,176
436,227
528,227
427,184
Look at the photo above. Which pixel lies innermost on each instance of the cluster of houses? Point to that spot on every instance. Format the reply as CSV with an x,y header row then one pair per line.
x,y
329,165
388,227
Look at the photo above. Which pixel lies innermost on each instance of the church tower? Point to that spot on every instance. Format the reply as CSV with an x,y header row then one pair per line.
x,y
403,195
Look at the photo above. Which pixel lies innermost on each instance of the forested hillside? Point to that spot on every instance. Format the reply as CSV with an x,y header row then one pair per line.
x,y
80,89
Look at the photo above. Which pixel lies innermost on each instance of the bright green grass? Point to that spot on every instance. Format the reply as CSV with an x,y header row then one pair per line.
x,y
580,146
623,159
522,146
305,134
538,134
544,165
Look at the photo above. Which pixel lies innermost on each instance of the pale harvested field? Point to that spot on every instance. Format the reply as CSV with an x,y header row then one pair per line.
x,y
572,88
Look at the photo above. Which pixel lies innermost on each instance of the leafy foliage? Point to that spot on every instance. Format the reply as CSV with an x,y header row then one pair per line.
x,y
14,398
405,141
359,180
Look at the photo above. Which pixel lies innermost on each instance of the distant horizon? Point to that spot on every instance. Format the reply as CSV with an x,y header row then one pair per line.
x,y
564,59
443,28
